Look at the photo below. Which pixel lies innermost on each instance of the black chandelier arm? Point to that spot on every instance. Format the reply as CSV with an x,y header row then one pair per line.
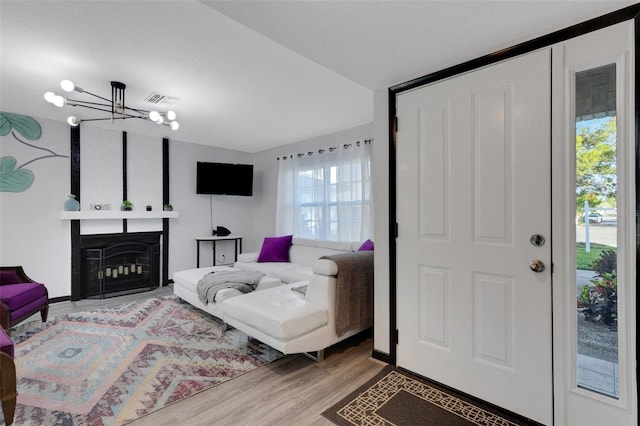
x,y
117,117
75,102
92,107
106,108
96,96
139,111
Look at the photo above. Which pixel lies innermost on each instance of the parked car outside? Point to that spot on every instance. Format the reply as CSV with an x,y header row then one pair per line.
x,y
595,218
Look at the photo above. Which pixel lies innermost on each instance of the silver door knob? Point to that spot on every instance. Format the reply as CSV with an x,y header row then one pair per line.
x,y
537,266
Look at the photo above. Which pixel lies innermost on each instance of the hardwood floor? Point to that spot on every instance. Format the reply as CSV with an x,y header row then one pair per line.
x,y
293,390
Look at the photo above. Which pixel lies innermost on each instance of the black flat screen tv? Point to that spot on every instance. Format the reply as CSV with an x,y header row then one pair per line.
x,y
224,179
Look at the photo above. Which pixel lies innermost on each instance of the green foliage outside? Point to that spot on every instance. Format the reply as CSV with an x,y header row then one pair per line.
x,y
596,165
585,260
599,303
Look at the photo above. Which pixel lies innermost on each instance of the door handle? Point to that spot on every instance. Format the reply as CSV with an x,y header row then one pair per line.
x,y
537,266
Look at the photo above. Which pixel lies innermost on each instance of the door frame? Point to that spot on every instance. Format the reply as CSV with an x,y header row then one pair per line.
x,y
625,14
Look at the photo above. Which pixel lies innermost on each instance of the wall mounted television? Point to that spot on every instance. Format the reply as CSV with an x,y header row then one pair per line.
x,y
224,179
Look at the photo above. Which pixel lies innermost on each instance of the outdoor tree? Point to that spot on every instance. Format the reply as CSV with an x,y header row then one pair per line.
x,y
596,165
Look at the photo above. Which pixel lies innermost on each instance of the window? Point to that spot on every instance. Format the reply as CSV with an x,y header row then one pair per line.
x,y
326,194
597,215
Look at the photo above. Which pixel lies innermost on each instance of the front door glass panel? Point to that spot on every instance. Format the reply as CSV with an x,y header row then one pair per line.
x,y
596,231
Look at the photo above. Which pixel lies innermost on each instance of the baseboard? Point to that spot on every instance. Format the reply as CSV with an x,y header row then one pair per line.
x,y
381,356
60,299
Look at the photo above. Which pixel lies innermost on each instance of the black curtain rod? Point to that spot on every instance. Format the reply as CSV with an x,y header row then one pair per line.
x,y
321,151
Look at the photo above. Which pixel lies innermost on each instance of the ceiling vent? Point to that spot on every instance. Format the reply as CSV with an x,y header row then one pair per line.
x,y
158,99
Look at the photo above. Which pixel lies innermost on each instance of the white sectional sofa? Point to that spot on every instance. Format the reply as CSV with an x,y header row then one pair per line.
x,y
294,306
302,256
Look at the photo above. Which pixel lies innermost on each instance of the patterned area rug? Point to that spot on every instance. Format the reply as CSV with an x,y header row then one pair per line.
x,y
112,365
394,398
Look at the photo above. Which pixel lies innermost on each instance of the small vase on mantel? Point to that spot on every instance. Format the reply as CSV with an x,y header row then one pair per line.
x,y
71,205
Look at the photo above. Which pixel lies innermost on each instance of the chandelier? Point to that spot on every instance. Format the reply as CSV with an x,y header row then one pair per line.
x,y
115,106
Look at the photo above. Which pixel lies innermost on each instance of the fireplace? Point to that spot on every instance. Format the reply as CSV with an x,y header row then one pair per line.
x,y
116,264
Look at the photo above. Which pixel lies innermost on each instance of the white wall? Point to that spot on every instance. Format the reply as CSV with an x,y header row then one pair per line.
x,y
31,232
232,212
381,332
266,176
144,179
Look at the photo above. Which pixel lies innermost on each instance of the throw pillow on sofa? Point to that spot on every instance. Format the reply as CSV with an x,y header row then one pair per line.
x,y
275,249
367,245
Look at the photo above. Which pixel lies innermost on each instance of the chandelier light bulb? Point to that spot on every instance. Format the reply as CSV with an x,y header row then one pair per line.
x,y
154,116
58,101
160,120
171,115
49,97
174,125
73,121
67,85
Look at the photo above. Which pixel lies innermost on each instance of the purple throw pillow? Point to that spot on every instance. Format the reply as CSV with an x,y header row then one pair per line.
x,y
275,249
367,245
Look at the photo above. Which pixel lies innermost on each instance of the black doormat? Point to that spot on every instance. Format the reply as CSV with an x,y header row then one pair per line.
x,y
395,398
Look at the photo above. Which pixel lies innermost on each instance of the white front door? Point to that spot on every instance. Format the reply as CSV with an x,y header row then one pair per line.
x,y
474,218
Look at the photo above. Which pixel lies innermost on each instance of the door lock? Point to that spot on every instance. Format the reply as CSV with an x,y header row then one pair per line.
x,y
537,240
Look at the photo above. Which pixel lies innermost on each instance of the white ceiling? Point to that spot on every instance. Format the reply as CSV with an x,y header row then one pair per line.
x,y
252,75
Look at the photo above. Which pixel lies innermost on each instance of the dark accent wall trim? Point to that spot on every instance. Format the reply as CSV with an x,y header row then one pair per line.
x,y
528,46
393,229
75,161
76,261
164,281
165,171
165,221
636,42
75,224
124,166
626,14
124,177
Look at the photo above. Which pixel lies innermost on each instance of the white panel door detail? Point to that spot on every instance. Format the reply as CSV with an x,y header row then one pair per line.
x,y
473,185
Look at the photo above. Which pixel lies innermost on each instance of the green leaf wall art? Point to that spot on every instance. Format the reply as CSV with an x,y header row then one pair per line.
x,y
12,180
19,179
26,126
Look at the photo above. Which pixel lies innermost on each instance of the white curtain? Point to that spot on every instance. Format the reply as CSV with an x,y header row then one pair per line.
x,y
326,194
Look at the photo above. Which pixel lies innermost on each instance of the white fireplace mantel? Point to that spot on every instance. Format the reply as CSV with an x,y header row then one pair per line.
x,y
117,214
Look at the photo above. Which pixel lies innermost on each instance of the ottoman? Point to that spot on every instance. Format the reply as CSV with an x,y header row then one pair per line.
x,y
185,287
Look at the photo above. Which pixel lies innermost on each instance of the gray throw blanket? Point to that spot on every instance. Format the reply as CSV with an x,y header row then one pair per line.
x,y
354,290
211,283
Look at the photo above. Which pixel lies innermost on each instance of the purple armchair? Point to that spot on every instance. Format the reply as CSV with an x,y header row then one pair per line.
x,y
20,297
